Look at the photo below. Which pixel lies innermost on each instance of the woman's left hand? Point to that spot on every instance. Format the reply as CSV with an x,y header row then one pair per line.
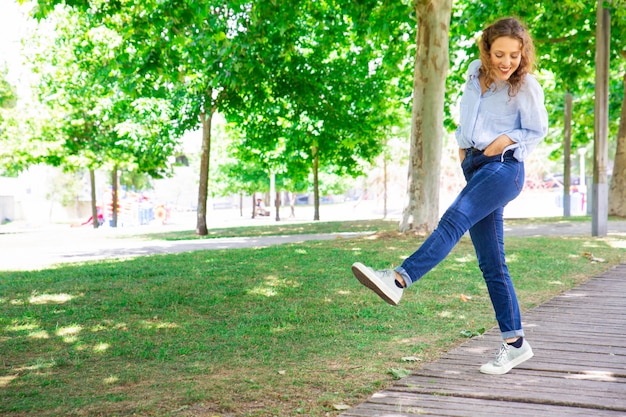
x,y
497,146
462,154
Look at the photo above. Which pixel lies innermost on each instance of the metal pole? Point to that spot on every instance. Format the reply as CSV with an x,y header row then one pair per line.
x,y
567,156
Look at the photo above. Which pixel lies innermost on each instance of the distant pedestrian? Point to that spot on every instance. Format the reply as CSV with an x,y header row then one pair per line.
x,y
502,119
260,208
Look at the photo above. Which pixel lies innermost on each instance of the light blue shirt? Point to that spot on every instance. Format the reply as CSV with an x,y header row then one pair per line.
x,y
484,117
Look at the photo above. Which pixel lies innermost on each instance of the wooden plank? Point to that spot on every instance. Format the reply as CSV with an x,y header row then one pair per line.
x,y
389,403
579,367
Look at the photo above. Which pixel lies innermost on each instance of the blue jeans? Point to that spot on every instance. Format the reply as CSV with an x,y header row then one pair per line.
x,y
491,183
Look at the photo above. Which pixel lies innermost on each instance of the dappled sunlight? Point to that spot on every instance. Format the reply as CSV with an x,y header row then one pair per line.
x,y
445,314
50,298
555,283
69,334
70,339
593,376
6,380
18,326
410,340
39,299
511,258
574,295
155,323
41,364
110,380
301,251
109,325
39,334
264,291
615,243
271,286
282,329
98,328
101,347
592,244
69,330
478,350
465,259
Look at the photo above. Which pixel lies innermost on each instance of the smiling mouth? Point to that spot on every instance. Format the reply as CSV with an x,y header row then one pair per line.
x,y
505,73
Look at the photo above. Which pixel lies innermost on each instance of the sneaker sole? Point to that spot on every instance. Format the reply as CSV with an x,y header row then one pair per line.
x,y
367,278
515,362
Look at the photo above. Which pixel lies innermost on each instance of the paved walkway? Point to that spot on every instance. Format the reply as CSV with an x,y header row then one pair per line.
x,y
41,250
584,376
28,249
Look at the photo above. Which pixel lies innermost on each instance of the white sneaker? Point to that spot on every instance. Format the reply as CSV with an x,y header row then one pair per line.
x,y
507,358
382,282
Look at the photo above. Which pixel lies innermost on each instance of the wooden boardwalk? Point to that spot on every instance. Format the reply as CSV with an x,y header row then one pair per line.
x,y
579,367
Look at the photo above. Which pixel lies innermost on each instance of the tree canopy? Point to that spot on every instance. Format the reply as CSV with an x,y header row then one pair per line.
x,y
312,87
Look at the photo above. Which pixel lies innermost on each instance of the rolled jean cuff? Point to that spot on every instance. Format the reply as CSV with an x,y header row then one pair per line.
x,y
512,334
407,279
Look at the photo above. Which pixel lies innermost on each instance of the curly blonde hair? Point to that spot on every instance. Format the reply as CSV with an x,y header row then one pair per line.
x,y
512,28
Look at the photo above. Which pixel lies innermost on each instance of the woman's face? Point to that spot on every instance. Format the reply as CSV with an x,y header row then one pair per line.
x,y
506,55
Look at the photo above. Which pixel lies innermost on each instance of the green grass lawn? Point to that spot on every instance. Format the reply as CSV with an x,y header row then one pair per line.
x,y
276,331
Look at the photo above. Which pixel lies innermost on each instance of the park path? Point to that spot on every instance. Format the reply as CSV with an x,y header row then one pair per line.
x,y
30,249
579,367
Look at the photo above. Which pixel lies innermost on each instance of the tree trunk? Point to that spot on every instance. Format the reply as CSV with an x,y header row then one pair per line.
x,y
617,191
203,191
316,184
114,197
385,181
277,205
94,207
431,66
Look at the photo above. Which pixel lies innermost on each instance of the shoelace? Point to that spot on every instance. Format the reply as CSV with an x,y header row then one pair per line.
x,y
502,353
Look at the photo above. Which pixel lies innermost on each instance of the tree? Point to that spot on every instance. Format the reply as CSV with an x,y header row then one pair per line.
x,y
325,101
91,122
180,51
12,152
617,188
8,95
431,68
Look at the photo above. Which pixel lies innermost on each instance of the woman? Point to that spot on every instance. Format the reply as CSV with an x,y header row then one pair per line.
x,y
502,119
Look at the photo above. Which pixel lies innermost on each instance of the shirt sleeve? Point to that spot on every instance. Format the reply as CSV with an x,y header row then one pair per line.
x,y
533,119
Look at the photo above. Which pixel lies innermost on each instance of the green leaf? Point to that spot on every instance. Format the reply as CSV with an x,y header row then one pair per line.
x,y
472,333
399,373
